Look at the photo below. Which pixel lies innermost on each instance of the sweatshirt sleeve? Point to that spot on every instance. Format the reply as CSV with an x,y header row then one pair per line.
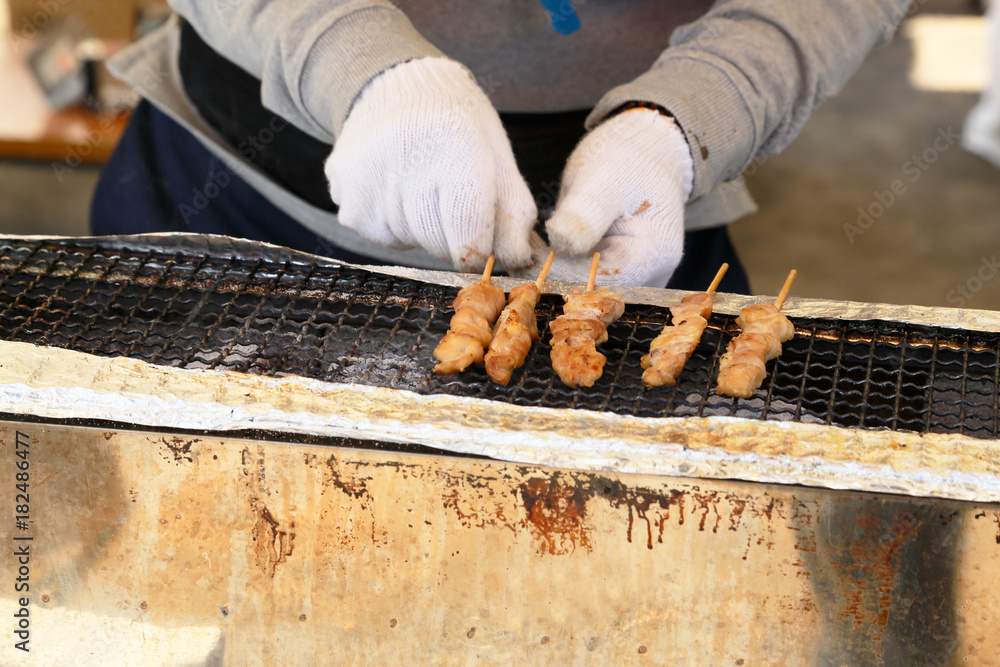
x,y
743,79
313,57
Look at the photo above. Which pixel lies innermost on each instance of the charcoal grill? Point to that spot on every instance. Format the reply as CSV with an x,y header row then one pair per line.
x,y
256,463
901,384
306,317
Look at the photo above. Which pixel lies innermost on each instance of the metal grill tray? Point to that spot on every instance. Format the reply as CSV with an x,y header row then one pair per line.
x,y
273,313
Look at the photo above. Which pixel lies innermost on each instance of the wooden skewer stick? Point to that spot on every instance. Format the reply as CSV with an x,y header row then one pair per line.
x,y
545,269
488,271
593,272
780,301
718,278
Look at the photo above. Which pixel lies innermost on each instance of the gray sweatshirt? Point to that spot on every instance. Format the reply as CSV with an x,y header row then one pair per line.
x,y
741,76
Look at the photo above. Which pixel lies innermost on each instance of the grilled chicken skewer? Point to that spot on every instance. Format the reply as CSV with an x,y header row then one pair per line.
x,y
476,307
516,329
742,367
583,324
676,343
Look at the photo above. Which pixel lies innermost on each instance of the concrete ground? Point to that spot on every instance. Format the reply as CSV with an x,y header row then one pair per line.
x,y
940,232
937,234
33,199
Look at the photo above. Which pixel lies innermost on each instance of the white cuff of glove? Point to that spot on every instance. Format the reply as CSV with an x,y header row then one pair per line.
x,y
623,194
423,161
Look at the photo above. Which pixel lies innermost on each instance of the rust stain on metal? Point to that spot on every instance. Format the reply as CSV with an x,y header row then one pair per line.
x,y
947,518
351,485
476,507
271,544
996,520
474,500
180,448
555,513
708,503
871,571
736,514
554,510
804,524
352,479
712,510
655,508
640,504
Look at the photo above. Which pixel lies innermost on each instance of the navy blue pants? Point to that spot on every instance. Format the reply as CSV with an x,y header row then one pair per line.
x,y
160,178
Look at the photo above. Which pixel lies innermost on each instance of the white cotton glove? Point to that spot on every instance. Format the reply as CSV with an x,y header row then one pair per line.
x,y
423,161
623,194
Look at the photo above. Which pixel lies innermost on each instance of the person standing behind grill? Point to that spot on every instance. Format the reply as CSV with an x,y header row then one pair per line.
x,y
981,134
260,115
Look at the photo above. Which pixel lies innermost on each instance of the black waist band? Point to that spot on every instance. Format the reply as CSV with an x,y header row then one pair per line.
x,y
228,98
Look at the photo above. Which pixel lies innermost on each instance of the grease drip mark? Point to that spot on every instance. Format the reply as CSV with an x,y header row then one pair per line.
x,y
555,512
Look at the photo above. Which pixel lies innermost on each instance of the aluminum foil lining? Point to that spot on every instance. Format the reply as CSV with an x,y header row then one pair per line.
x,y
63,384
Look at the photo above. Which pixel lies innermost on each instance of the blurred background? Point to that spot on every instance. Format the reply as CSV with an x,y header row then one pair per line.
x,y
875,201
897,120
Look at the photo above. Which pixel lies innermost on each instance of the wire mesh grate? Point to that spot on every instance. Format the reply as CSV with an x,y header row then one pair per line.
x,y
340,324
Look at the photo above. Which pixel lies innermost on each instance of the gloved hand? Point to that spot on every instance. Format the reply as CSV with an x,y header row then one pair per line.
x,y
423,160
623,194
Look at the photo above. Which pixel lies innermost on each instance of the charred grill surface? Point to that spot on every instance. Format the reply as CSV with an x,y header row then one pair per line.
x,y
280,317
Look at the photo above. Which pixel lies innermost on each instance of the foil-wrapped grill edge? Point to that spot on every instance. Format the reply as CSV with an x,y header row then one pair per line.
x,y
61,384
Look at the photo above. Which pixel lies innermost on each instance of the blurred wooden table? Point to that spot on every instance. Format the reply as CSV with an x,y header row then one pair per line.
x,y
72,136
30,129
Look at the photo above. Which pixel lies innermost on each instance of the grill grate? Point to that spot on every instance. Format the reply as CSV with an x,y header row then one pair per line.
x,y
339,324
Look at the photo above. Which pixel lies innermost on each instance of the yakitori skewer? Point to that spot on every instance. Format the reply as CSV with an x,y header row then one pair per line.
x,y
545,269
476,307
516,329
582,326
742,368
676,343
592,278
783,294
